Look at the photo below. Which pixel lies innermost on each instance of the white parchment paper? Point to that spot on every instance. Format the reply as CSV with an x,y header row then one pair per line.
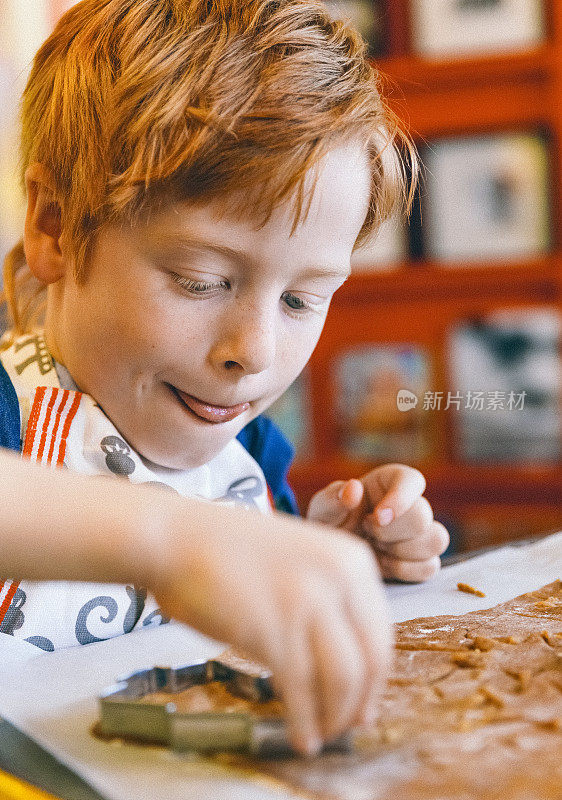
x,y
52,697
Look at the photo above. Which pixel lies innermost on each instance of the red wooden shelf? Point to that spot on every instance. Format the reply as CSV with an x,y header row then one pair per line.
x,y
449,97
419,74
418,303
534,279
448,482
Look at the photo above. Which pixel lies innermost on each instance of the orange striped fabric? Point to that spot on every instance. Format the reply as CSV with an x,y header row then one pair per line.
x,y
50,419
51,415
7,592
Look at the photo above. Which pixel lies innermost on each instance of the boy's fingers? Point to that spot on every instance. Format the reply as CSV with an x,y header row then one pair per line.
x,y
376,638
351,493
432,543
333,504
342,672
296,684
404,485
414,523
410,571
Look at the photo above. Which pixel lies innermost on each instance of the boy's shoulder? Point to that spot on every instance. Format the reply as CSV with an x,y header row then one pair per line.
x,y
9,413
274,453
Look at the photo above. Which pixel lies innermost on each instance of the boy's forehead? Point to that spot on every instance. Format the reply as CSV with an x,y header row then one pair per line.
x,y
338,182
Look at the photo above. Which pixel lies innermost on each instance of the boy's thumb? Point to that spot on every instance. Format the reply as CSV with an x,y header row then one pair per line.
x,y
333,504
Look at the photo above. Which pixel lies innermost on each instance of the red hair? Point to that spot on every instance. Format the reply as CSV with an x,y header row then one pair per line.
x,y
133,104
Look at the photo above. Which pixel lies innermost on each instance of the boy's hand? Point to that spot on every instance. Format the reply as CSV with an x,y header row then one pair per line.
x,y
304,599
301,598
386,507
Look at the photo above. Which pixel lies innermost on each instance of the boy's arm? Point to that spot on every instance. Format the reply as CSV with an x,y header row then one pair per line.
x,y
303,599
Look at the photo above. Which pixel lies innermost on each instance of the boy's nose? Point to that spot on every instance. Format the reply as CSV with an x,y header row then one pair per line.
x,y
248,343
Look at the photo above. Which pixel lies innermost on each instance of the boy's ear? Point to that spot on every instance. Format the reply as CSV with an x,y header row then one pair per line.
x,y
42,226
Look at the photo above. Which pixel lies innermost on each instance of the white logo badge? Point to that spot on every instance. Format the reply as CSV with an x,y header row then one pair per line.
x,y
406,400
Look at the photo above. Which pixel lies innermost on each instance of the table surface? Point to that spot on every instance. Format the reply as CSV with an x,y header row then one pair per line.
x,y
21,757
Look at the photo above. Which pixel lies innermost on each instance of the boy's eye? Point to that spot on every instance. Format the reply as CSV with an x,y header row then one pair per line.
x,y
198,287
295,303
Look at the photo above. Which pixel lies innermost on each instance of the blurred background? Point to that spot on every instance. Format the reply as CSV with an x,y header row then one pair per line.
x,y
443,349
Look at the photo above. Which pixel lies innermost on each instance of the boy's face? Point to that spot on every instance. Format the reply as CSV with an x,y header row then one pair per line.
x,y
190,326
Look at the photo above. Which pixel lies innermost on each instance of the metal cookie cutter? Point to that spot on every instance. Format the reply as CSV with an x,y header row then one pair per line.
x,y
123,714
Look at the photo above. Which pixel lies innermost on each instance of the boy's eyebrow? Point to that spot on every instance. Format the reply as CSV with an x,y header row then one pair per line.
x,y
182,241
329,272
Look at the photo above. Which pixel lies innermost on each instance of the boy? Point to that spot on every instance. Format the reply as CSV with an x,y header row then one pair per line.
x,y
197,176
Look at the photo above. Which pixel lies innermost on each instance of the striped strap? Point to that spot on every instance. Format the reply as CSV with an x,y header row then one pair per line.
x,y
7,592
45,442
49,424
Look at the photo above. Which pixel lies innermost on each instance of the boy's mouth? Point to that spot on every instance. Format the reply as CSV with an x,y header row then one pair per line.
x,y
208,412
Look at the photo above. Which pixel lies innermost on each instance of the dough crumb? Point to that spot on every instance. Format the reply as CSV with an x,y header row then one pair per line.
x,y
509,639
470,659
550,602
554,724
466,587
483,643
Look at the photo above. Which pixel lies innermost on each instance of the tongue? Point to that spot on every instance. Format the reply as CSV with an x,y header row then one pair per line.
x,y
212,413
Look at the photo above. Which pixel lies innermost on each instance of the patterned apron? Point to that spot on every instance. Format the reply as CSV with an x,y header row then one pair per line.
x,y
63,427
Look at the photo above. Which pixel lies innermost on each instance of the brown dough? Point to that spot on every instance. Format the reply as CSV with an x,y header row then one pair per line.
x,y
472,711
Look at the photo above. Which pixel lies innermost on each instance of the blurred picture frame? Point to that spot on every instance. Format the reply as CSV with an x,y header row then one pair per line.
x,y
505,367
449,28
367,381
486,198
